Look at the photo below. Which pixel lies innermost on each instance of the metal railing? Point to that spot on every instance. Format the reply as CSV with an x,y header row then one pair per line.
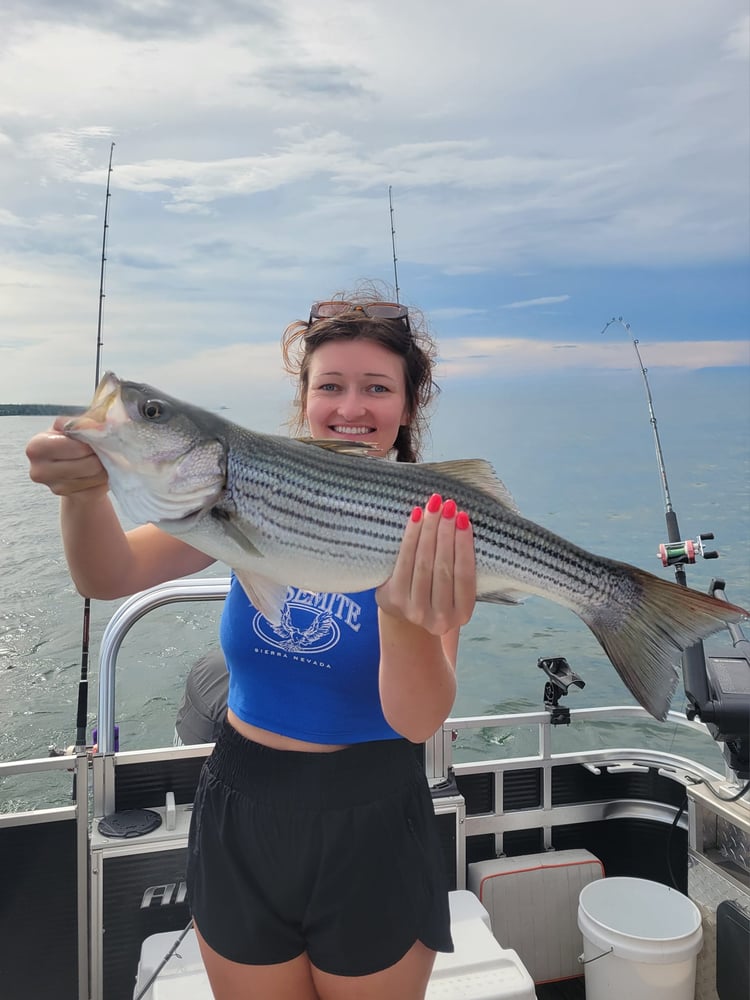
x,y
126,616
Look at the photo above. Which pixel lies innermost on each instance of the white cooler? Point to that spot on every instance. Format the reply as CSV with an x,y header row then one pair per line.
x,y
479,969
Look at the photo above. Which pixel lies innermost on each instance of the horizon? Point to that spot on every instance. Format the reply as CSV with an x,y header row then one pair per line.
x,y
270,410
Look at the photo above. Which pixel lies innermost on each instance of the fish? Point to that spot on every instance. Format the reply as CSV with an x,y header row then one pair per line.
x,y
325,516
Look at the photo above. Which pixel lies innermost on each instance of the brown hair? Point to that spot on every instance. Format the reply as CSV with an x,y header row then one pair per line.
x,y
414,346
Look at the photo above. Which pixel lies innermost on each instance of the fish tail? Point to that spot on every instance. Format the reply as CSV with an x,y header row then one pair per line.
x,y
645,631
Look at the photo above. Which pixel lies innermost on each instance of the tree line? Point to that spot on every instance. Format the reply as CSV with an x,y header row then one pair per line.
x,y
36,409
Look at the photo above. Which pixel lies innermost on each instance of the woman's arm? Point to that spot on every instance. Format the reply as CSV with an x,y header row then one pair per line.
x,y
105,562
417,679
430,594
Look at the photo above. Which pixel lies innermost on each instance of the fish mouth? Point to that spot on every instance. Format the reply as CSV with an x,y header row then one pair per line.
x,y
95,418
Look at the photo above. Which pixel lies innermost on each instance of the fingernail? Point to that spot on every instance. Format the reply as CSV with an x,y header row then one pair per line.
x,y
462,520
416,514
449,509
434,503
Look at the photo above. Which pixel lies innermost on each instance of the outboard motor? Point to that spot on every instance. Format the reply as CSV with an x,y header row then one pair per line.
x,y
717,687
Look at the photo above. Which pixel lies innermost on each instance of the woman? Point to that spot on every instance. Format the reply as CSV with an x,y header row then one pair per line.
x,y
314,869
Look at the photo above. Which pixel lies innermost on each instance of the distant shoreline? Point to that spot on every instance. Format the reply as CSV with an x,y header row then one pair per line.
x,y
36,409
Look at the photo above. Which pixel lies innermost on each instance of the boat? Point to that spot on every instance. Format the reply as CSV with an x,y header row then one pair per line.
x,y
601,871
544,851
93,901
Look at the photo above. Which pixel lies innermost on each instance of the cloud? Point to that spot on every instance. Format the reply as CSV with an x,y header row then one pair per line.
x,y
144,20
455,313
737,42
9,219
545,301
463,270
310,83
489,357
594,147
192,181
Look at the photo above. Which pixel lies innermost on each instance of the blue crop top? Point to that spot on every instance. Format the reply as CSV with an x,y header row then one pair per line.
x,y
314,677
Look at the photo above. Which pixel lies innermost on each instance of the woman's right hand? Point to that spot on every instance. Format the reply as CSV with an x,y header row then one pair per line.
x,y
65,466
105,561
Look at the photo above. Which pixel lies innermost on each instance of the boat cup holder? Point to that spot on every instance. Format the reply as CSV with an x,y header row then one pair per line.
x,y
129,823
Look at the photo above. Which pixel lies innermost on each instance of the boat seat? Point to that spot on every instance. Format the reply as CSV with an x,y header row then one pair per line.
x,y
478,969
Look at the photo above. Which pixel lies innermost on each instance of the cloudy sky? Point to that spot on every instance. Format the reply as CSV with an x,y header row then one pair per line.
x,y
553,164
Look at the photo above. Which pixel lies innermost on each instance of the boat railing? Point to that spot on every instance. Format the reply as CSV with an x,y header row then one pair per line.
x,y
121,622
438,753
590,757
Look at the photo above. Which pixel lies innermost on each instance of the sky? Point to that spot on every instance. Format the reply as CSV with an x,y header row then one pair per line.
x,y
551,165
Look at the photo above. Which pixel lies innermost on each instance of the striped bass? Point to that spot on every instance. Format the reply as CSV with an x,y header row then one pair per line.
x,y
309,514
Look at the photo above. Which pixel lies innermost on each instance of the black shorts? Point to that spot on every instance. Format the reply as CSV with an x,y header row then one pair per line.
x,y
333,854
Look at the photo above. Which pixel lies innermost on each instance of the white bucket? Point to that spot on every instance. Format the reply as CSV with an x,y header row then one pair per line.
x,y
640,940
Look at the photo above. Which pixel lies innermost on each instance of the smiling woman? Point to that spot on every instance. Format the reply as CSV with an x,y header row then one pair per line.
x,y
356,392
390,354
327,690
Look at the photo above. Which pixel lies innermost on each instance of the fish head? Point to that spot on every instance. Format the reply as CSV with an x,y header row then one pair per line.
x,y
164,462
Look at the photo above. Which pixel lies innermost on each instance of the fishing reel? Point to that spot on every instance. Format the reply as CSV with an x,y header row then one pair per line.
x,y
685,553
561,677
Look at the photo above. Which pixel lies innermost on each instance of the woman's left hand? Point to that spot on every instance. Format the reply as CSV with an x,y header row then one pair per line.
x,y
433,584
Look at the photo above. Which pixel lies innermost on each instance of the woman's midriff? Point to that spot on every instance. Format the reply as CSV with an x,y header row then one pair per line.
x,y
276,741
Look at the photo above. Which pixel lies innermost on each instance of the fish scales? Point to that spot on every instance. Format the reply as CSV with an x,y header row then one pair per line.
x,y
313,500
312,487
284,512
309,512
313,493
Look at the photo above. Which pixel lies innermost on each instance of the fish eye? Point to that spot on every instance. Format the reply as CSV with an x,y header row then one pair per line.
x,y
153,409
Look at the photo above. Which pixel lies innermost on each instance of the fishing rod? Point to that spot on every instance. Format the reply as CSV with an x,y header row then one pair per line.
x,y
676,551
393,243
83,683
715,685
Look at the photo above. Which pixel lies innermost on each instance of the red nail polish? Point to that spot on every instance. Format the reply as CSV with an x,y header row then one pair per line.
x,y
449,509
434,503
462,520
416,514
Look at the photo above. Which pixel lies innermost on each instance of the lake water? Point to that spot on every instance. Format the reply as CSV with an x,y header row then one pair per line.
x,y
577,452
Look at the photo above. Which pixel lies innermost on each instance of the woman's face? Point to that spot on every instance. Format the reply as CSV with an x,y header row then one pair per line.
x,y
356,392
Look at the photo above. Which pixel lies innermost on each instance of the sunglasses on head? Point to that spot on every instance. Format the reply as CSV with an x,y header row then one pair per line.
x,y
373,310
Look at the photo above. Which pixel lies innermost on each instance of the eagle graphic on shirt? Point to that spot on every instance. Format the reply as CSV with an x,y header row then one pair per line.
x,y
295,639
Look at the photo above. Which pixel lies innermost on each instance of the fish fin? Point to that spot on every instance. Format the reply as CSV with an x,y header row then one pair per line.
x,y
509,597
234,533
268,596
655,622
477,473
340,446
